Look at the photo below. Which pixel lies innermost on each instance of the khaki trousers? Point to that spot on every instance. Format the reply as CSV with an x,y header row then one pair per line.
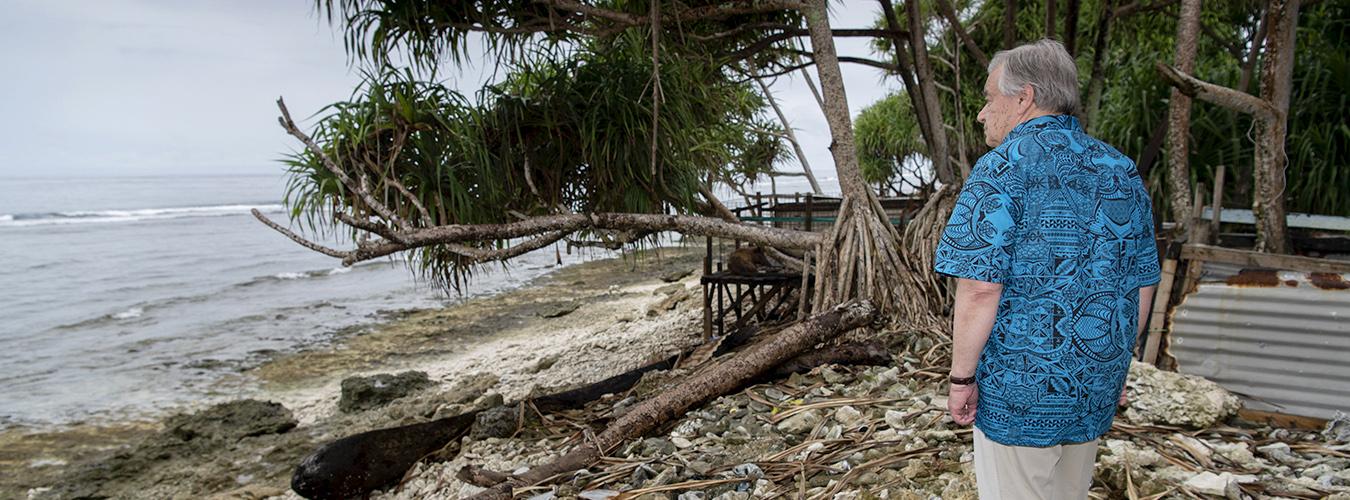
x,y
1062,472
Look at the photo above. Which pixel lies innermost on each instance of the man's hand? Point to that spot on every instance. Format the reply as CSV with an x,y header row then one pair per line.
x,y
1123,400
961,401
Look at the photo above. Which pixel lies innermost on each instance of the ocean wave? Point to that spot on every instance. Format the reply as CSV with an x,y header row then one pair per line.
x,y
134,312
108,216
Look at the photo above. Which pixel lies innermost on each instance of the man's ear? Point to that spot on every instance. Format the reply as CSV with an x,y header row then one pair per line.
x,y
1026,99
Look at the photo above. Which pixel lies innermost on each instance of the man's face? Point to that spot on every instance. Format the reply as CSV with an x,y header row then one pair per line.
x,y
1000,112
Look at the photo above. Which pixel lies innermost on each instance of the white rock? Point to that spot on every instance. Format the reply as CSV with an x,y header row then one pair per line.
x,y
895,420
1208,483
849,416
1170,398
681,443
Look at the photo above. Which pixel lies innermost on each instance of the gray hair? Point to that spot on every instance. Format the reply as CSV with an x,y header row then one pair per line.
x,y
1046,67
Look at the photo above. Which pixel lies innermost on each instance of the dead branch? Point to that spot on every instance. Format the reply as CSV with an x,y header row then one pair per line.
x,y
1215,94
289,124
698,388
399,241
791,136
299,239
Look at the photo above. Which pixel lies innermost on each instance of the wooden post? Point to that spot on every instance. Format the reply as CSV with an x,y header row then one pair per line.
x,y
1216,207
1158,311
721,314
810,203
707,295
759,207
1197,230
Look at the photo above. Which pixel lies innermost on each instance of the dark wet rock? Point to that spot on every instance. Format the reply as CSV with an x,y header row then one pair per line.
x,y
232,420
657,446
159,464
364,393
559,309
676,275
498,422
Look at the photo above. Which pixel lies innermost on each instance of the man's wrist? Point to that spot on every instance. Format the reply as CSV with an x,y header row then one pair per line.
x,y
955,380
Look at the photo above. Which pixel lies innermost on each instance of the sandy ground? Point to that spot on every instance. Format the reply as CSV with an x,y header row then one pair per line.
x,y
577,325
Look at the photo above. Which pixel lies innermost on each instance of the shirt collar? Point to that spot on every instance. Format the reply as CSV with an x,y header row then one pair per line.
x,y
1047,122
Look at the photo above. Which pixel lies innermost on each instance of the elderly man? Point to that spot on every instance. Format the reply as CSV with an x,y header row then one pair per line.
x,y
1052,243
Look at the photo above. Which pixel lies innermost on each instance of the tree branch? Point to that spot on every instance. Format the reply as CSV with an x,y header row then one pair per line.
x,y
299,239
1138,7
289,124
945,7
1215,94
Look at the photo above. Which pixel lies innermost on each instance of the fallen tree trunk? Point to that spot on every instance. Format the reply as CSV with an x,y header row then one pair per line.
x,y
356,465
699,388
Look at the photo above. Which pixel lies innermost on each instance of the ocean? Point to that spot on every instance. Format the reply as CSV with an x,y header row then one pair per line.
x,y
125,297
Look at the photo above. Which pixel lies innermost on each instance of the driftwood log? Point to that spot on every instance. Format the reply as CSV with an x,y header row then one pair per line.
x,y
358,464
700,387
361,463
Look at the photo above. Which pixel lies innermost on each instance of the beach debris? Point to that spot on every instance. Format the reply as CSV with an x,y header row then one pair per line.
x,y
701,386
356,465
232,420
882,432
364,393
1171,398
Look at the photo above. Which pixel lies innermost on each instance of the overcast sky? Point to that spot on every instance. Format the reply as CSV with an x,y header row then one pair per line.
x,y
160,87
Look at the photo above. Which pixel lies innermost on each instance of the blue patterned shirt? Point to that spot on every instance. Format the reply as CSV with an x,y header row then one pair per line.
x,y
1064,222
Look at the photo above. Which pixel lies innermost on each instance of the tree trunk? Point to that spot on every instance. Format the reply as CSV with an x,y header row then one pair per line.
x,y
1253,54
939,154
1071,26
947,11
791,136
1277,76
1009,23
1097,80
859,258
1051,12
907,76
1179,118
699,388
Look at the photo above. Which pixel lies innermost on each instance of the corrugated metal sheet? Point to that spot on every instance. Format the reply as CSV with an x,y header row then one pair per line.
x,y
1280,339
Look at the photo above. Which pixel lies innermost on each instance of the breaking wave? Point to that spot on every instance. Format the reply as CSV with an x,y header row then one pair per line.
x,y
111,216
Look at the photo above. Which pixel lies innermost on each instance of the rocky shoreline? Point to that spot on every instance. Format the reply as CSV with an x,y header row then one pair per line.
x,y
576,325
835,432
878,432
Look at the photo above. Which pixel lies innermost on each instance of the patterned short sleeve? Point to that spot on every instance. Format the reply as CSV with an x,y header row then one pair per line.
x,y
976,242
1146,271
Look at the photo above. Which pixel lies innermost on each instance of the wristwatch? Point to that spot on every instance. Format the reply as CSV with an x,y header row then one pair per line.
x,y
955,380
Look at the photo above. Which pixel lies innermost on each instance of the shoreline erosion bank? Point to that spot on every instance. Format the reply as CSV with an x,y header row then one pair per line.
x,y
575,325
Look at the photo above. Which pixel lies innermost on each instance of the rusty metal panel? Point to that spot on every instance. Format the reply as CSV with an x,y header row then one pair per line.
x,y
1280,339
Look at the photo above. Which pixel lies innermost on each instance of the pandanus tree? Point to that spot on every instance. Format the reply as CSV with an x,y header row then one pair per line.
x,y
615,122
